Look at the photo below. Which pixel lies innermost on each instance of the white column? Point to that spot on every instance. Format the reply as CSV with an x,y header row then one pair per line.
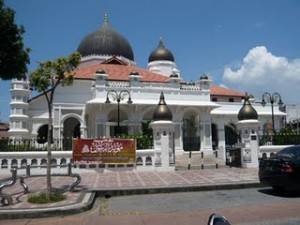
x,y
221,137
205,135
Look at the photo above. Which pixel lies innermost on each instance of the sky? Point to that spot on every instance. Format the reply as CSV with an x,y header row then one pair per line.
x,y
248,46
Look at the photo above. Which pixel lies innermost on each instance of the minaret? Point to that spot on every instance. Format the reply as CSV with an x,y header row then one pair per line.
x,y
248,126
19,108
163,135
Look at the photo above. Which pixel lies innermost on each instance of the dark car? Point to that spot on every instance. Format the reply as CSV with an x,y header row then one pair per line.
x,y
281,171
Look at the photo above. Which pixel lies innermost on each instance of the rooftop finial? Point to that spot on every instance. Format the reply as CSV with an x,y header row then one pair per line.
x,y
105,17
247,96
161,43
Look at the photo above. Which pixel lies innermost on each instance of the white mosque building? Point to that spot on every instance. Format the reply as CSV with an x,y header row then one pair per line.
x,y
204,115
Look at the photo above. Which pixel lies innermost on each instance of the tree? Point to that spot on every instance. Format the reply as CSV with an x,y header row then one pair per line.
x,y
46,79
13,56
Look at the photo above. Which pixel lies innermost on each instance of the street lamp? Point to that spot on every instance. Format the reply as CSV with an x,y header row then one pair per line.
x,y
118,97
274,98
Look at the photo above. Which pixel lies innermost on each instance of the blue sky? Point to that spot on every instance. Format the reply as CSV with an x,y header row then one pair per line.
x,y
249,46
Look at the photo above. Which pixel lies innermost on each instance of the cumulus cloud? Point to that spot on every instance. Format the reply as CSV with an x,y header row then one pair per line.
x,y
261,71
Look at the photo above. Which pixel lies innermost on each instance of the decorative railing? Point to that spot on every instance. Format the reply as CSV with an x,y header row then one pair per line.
x,y
9,145
119,84
158,85
281,139
191,87
38,159
61,144
21,152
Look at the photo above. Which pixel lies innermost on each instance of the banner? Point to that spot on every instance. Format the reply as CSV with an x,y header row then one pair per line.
x,y
106,150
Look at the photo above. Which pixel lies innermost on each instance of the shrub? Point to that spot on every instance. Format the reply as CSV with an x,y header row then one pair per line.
x,y
142,141
40,197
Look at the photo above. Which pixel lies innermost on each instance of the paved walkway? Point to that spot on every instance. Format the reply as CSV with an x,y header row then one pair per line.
x,y
116,183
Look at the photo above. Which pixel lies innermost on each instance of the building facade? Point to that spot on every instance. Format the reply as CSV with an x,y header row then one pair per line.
x,y
111,95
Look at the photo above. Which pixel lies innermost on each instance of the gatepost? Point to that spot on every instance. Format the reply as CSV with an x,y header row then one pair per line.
x,y
163,131
248,126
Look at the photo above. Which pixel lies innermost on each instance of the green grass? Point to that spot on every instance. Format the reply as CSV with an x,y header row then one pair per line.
x,y
40,198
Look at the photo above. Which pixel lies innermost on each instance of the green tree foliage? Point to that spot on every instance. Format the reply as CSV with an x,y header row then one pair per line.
x,y
14,57
46,79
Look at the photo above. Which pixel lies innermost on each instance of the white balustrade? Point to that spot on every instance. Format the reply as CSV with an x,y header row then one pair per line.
x,y
268,150
9,160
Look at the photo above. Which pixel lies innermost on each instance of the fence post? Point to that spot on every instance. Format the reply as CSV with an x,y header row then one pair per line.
x,y
190,156
217,165
28,170
69,169
202,155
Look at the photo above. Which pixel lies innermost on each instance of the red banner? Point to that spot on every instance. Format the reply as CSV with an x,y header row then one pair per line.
x,y
104,150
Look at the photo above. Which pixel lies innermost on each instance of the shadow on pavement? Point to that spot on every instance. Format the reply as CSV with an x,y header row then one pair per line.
x,y
282,194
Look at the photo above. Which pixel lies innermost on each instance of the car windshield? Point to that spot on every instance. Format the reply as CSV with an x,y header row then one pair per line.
x,y
290,152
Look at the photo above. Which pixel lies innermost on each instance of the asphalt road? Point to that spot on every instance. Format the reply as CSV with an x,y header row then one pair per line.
x,y
241,207
193,201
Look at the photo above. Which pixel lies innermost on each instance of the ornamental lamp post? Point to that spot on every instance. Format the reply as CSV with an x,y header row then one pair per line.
x,y
118,96
274,98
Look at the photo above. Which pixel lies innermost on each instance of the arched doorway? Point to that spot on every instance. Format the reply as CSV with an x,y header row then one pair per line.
x,y
145,123
190,132
231,138
231,135
71,130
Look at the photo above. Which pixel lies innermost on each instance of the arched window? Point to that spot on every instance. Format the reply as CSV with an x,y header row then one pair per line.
x,y
43,134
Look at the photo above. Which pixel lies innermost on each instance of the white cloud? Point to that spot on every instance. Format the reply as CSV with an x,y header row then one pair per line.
x,y
262,71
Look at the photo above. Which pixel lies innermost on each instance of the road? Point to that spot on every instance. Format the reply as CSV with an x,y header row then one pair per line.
x,y
241,207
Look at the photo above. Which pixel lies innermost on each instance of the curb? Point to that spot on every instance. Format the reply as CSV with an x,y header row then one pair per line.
x,y
87,199
192,188
87,202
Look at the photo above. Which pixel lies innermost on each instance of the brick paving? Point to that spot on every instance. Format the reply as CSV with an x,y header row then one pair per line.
x,y
132,179
96,181
36,184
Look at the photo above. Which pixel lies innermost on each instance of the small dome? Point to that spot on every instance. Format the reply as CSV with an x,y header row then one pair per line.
x,y
174,75
105,41
162,111
134,73
203,77
100,71
247,112
161,53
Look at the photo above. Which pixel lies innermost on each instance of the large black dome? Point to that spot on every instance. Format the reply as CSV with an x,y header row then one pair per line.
x,y
161,53
105,41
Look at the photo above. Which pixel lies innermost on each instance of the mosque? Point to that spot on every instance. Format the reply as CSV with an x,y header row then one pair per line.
x,y
112,95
